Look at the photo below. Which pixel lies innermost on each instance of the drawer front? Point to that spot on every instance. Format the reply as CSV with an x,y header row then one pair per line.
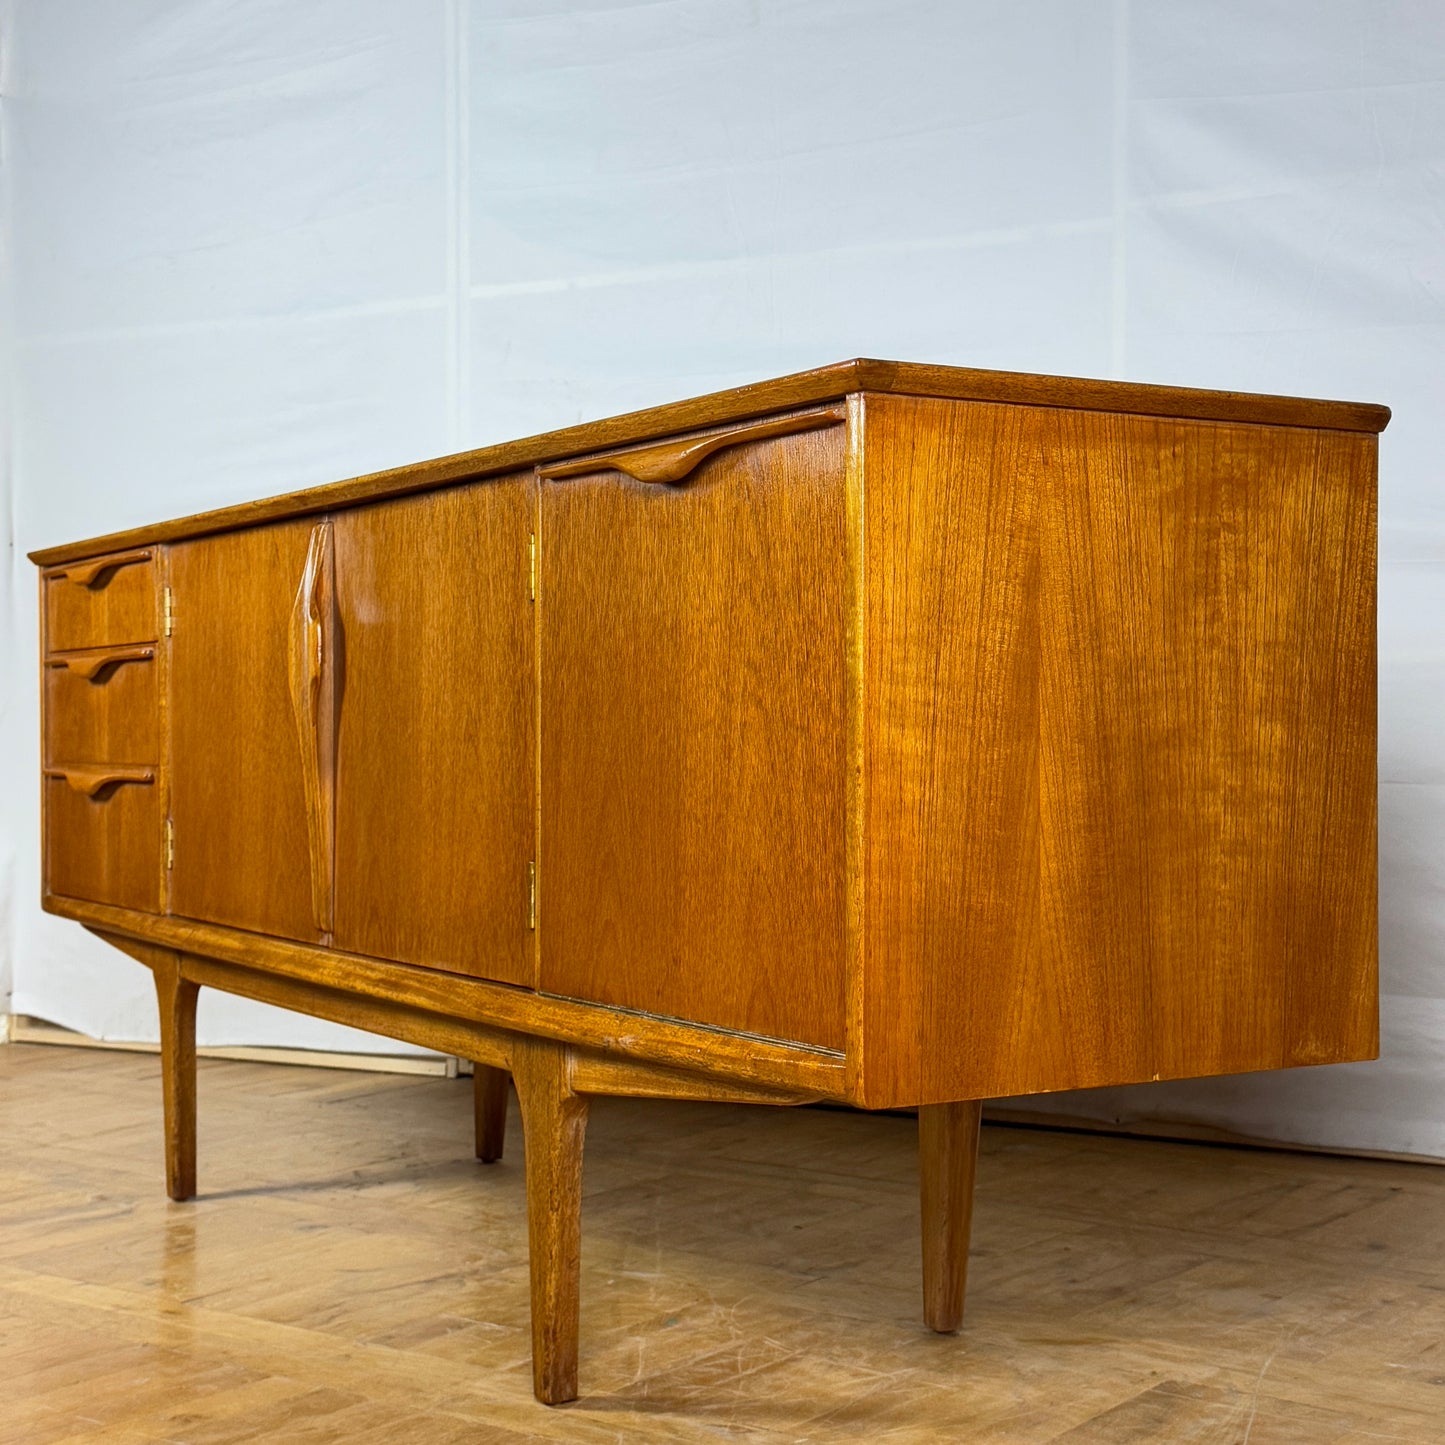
x,y
102,707
103,838
694,696
102,602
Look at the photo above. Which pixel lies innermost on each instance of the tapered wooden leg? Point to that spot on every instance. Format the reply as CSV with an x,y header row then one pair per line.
x,y
489,1098
947,1156
554,1124
177,999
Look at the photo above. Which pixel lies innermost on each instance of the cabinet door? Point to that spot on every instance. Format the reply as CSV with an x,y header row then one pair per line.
x,y
245,781
435,789
694,692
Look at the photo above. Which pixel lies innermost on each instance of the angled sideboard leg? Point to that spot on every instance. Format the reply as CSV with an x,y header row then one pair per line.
x,y
554,1124
947,1156
177,999
489,1099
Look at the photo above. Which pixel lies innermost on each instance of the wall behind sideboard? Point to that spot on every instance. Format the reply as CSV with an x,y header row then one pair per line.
x,y
254,247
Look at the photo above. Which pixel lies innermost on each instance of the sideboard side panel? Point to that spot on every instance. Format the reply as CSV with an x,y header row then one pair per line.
x,y
951,960
1119,756
1207,718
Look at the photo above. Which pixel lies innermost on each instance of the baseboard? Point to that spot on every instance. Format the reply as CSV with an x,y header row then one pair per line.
x,y
1164,1131
22,1029
1170,1131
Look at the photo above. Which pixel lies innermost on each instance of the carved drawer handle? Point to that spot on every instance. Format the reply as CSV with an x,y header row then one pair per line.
x,y
310,668
672,461
87,574
90,665
91,781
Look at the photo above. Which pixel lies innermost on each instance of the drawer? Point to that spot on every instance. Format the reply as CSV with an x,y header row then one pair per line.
x,y
101,706
101,602
103,835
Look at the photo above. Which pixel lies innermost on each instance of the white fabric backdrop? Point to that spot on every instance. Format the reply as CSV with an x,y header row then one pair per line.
x,y
254,246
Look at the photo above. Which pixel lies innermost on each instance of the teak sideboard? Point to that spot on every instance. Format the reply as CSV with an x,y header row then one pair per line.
x,y
893,734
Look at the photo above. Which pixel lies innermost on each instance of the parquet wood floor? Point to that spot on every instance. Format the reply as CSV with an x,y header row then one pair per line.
x,y
350,1273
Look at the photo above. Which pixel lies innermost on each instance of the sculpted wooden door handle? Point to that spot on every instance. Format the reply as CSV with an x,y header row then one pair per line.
x,y
87,574
309,621
312,676
673,461
90,665
90,781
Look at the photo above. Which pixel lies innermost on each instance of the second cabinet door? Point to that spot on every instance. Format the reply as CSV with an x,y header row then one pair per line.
x,y
435,789
693,753
244,816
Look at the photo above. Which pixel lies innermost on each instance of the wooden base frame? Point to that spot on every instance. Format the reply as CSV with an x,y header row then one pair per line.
x,y
554,1081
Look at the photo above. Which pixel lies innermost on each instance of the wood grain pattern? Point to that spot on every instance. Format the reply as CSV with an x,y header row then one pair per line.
x,y
353,1008
825,383
238,791
693,731
1208,740
1327,835
312,672
855,793
495,1049
554,1124
947,1163
111,600
621,1031
165,699
103,837
950,750
436,789
1129,816
110,716
619,1077
332,1000
1015,736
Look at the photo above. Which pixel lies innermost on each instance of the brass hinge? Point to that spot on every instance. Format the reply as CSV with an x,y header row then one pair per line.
x,y
168,611
170,844
531,895
532,567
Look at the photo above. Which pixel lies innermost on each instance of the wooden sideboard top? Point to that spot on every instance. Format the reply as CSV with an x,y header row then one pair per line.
x,y
804,388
